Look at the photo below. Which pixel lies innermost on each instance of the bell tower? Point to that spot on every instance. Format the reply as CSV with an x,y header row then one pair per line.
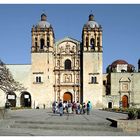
x,y
42,59
42,36
92,62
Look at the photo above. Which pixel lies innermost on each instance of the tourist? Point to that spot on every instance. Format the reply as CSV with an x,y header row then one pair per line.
x,y
64,106
77,107
74,107
60,105
54,106
69,107
81,108
88,108
84,108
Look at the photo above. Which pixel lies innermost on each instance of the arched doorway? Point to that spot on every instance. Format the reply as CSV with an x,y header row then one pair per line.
x,y
11,98
124,101
110,105
67,97
25,99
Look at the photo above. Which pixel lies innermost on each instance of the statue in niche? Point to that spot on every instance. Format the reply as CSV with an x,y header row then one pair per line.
x,y
67,50
58,80
58,63
77,80
77,63
67,78
62,49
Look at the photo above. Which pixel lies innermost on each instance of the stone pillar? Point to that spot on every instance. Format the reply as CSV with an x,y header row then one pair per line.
x,y
18,101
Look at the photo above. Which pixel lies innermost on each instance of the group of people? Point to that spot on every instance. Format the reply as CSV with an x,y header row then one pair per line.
x,y
74,107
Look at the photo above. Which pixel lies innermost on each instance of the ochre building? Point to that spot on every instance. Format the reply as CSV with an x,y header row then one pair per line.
x,y
72,70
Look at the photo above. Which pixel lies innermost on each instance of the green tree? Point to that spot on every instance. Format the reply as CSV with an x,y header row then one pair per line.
x,y
7,82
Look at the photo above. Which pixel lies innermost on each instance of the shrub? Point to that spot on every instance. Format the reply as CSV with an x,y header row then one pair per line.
x,y
138,113
132,114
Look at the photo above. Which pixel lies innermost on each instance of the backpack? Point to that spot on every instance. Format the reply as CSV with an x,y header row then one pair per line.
x,y
60,104
87,105
78,106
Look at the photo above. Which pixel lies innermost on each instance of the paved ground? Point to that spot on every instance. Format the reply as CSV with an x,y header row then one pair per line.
x,y
42,122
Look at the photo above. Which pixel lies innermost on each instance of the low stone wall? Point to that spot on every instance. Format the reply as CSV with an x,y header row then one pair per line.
x,y
126,125
129,125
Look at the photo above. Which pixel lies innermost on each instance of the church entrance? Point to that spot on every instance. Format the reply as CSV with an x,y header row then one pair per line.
x,y
11,98
25,99
124,101
67,97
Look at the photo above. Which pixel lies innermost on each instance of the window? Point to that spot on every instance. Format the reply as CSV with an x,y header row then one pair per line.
x,y
48,41
104,82
67,64
86,41
35,43
92,43
93,80
38,79
98,41
41,44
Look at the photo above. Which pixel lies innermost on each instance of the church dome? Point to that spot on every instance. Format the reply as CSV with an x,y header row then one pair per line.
x,y
43,23
91,22
115,63
120,66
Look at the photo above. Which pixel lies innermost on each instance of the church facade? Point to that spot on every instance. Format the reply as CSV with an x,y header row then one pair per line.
x,y
72,70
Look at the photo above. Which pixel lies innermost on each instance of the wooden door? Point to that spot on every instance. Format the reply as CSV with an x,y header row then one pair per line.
x,y
124,101
67,97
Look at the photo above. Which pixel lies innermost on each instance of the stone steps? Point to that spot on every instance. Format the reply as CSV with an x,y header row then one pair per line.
x,y
43,125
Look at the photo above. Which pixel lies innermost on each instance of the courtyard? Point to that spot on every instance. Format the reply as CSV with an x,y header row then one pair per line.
x,y
42,122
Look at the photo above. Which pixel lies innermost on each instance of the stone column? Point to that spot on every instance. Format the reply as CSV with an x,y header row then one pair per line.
x,y
18,101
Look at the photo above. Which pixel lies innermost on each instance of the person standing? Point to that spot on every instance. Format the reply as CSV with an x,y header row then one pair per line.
x,y
69,107
84,108
74,107
88,108
54,107
60,105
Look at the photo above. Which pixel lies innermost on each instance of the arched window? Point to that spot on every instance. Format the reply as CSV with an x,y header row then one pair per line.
x,y
67,64
98,41
92,43
86,41
41,44
48,41
36,41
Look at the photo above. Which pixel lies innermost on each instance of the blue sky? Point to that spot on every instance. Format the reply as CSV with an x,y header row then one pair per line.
x,y
121,29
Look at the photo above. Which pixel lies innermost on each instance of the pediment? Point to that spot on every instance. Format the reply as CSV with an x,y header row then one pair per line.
x,y
67,39
124,79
